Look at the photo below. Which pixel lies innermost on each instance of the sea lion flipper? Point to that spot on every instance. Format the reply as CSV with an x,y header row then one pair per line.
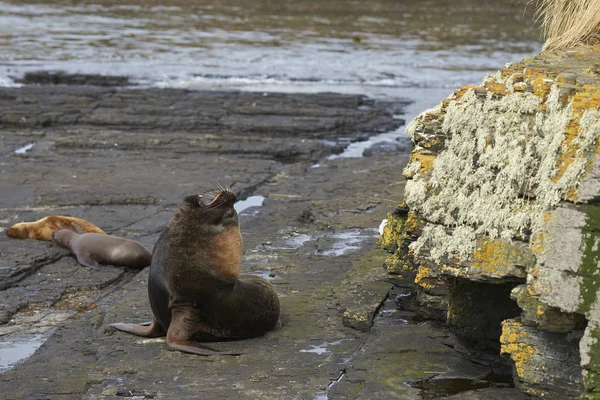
x,y
144,329
181,332
87,261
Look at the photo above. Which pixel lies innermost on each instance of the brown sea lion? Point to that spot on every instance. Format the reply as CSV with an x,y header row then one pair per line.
x,y
193,285
92,249
42,229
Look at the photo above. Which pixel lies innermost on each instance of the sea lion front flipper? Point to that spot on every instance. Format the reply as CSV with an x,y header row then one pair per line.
x,y
87,261
145,329
181,331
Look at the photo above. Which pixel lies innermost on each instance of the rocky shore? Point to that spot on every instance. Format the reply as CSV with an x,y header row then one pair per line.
x,y
500,226
123,158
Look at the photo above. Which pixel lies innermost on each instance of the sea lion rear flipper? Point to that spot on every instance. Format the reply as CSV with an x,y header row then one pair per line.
x,y
144,329
180,333
87,261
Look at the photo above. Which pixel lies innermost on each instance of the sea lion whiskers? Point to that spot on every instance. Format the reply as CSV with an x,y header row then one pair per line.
x,y
217,188
222,197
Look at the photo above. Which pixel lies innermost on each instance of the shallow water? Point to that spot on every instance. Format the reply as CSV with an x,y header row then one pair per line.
x,y
251,202
24,149
14,348
386,48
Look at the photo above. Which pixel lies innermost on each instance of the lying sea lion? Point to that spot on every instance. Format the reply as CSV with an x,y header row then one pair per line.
x,y
42,229
193,285
92,249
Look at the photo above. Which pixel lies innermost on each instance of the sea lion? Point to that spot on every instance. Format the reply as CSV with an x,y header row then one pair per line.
x,y
194,290
42,229
92,249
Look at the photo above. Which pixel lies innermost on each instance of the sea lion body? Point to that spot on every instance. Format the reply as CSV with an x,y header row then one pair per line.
x,y
43,228
194,288
92,249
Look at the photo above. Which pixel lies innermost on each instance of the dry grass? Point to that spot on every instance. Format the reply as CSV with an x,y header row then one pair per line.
x,y
569,22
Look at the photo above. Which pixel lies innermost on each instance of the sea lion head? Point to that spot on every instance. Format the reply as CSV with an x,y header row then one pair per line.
x,y
63,237
218,211
15,232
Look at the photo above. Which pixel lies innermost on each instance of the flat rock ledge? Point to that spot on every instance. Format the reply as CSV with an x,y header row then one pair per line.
x,y
124,158
501,223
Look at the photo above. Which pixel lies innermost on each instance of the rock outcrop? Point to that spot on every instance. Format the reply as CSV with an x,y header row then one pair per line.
x,y
500,226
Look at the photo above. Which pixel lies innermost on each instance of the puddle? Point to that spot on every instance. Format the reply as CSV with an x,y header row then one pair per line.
x,y
329,245
295,242
344,242
436,388
252,201
268,275
397,309
386,142
25,149
321,348
15,348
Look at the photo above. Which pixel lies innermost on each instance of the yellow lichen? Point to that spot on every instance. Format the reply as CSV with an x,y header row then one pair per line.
x,y
540,310
413,223
427,279
588,98
425,158
390,236
491,254
512,343
456,96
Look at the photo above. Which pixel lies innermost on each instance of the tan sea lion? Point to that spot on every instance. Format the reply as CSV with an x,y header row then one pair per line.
x,y
92,249
42,229
194,290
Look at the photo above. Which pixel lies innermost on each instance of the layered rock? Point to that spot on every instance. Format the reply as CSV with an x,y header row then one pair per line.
x,y
501,223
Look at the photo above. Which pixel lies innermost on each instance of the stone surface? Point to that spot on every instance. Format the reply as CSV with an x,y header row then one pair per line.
x,y
547,364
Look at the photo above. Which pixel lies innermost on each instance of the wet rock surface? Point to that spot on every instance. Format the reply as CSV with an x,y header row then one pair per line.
x,y
124,158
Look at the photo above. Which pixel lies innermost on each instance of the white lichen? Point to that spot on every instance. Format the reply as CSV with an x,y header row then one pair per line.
x,y
588,342
460,242
498,171
412,129
412,168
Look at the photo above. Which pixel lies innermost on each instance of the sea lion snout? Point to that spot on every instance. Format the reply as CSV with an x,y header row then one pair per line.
x,y
229,212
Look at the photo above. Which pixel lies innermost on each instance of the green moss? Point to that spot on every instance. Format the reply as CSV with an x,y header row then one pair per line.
x,y
590,259
589,291
418,364
591,377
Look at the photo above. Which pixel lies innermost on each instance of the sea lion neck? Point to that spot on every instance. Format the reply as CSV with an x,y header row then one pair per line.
x,y
186,216
64,238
